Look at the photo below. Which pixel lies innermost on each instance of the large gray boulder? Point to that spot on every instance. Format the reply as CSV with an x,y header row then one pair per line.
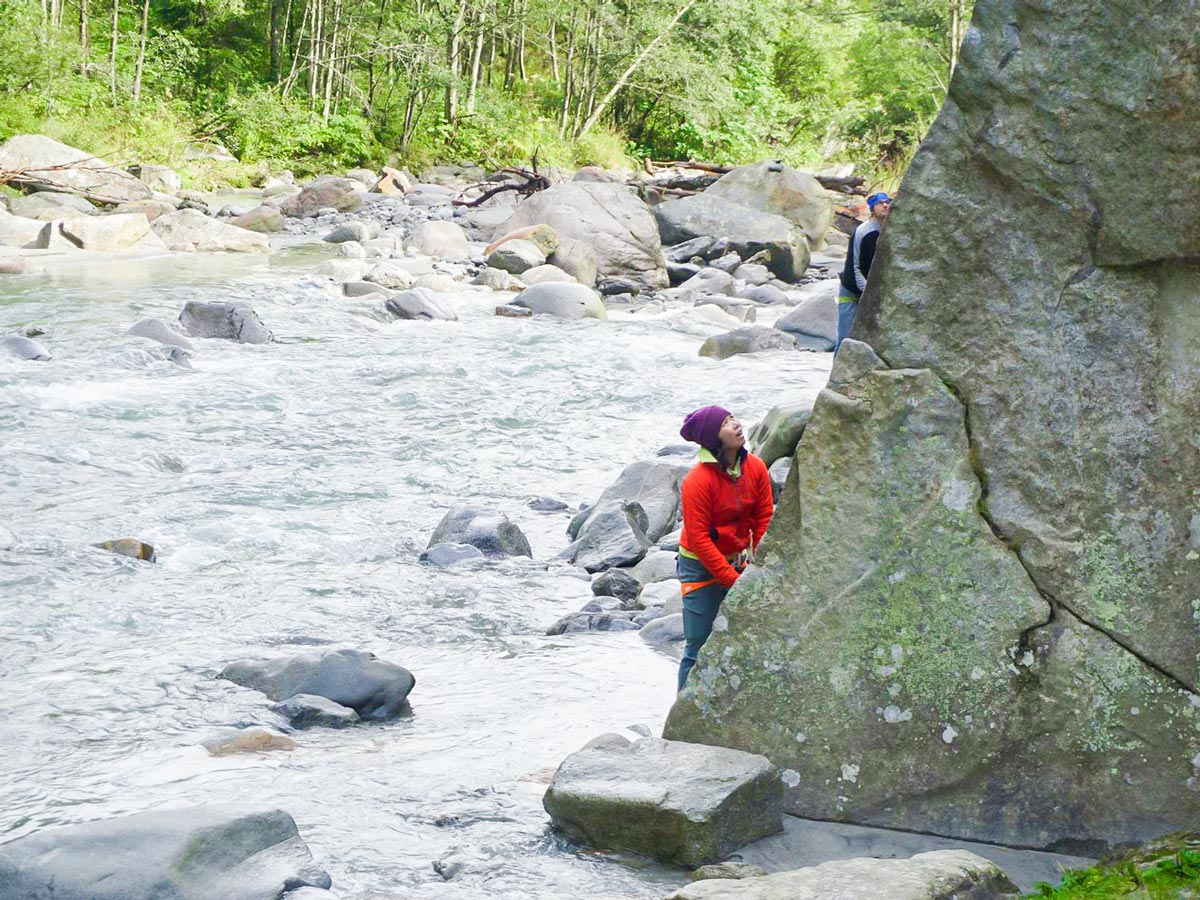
x,y
262,219
492,532
607,218
442,240
774,188
228,321
373,688
21,347
327,192
562,299
120,231
577,259
984,563
47,205
682,803
19,231
43,163
776,436
936,875
813,322
190,229
160,331
419,303
747,339
654,485
614,534
157,178
746,231
517,256
182,854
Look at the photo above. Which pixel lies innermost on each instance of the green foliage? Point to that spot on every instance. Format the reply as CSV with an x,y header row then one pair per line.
x,y
810,82
1162,874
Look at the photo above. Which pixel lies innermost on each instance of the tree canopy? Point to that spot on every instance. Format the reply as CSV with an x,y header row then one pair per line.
x,y
315,83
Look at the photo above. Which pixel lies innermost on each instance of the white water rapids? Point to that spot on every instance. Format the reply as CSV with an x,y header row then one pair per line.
x,y
289,489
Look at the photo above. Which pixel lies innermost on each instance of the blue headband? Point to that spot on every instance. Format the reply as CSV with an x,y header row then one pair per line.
x,y
877,198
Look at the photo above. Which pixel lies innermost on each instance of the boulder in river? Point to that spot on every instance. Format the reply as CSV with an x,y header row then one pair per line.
x,y
311,710
199,853
373,688
18,231
441,240
262,219
616,583
936,875
774,188
516,256
229,321
190,228
23,348
249,740
747,339
44,163
327,192
47,205
654,485
1009,475
419,303
562,299
747,231
688,804
608,218
587,620
813,323
541,236
490,531
392,274
449,554
576,258
131,547
614,534
119,231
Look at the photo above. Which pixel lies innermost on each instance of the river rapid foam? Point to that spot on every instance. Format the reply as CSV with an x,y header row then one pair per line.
x,y
289,489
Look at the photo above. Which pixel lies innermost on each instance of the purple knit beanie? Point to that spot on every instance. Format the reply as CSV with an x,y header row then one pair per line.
x,y
703,426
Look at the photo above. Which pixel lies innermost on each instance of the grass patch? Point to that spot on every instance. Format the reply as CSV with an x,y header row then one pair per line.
x,y
1165,869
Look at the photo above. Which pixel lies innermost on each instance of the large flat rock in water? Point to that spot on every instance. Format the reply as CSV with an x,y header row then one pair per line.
x,y
681,803
938,875
975,611
184,854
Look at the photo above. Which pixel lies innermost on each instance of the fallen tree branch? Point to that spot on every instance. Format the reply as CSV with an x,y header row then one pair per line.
x,y
850,184
533,183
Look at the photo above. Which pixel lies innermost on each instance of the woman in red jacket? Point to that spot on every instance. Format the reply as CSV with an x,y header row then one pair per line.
x,y
727,506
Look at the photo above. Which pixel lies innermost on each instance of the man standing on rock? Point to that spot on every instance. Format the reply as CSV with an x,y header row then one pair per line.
x,y
858,263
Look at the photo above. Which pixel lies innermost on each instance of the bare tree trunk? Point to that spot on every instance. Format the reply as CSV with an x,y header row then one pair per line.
x,y
85,42
141,57
568,78
595,114
453,49
957,31
554,52
112,49
476,61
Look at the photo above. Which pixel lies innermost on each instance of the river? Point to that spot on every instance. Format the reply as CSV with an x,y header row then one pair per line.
x,y
289,489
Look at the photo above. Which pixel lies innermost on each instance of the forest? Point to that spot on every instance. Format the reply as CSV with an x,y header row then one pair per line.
x,y
316,85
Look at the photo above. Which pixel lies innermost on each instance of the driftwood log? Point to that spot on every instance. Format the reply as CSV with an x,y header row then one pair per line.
x,y
532,183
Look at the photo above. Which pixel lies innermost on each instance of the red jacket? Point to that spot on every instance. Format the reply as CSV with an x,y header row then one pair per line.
x,y
719,513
